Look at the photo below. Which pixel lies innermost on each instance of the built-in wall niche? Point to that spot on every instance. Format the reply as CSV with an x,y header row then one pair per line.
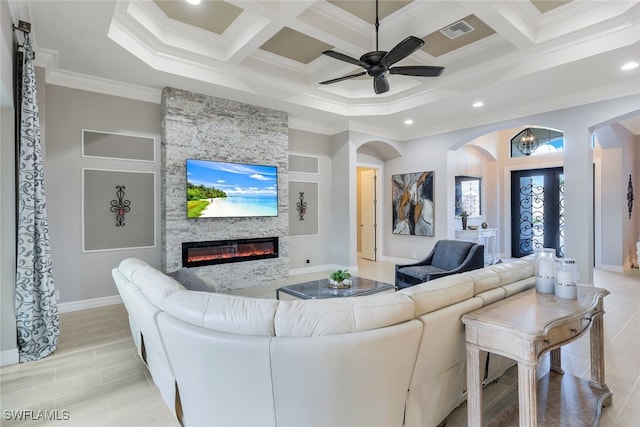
x,y
118,209
114,145
304,180
303,164
468,195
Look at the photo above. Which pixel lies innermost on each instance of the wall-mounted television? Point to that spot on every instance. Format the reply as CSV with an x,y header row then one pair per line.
x,y
230,190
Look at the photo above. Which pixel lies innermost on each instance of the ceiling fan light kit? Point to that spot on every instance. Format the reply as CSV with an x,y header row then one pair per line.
x,y
378,62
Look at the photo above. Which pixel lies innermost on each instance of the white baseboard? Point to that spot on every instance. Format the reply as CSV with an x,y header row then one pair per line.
x,y
67,307
399,260
320,268
612,268
308,270
9,357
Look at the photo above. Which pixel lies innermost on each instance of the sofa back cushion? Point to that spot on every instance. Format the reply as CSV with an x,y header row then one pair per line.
x,y
129,266
512,271
224,313
449,254
155,285
484,279
306,318
438,293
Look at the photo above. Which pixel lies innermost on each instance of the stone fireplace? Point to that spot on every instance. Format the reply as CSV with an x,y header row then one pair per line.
x,y
203,127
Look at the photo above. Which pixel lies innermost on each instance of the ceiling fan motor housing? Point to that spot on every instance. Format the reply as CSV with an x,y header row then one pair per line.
x,y
373,60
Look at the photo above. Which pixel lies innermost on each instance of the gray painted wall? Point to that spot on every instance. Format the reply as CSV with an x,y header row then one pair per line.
x,y
203,127
313,248
82,275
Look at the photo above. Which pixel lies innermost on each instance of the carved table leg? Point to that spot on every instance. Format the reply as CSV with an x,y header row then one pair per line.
x,y
597,352
474,388
527,395
556,361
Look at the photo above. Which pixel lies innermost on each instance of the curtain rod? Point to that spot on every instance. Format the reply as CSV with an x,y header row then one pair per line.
x,y
23,26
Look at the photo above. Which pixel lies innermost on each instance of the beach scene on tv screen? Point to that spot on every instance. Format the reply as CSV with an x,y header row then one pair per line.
x,y
226,190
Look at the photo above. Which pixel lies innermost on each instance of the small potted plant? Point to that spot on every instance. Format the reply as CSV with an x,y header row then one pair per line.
x,y
340,279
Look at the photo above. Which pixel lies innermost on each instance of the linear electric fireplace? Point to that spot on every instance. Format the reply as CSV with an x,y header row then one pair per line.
x,y
198,254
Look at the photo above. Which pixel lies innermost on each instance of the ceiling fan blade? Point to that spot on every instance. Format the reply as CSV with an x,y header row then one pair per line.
x,y
417,70
380,84
403,49
345,58
339,79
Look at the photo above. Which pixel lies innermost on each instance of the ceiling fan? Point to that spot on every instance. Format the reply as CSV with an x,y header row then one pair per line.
x,y
379,62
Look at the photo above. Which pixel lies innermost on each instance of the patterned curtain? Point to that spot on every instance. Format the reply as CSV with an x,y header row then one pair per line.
x,y
36,309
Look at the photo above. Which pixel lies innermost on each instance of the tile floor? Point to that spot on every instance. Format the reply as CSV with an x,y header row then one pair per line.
x,y
96,378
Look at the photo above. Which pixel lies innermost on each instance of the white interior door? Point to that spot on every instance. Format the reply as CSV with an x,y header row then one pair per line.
x,y
368,214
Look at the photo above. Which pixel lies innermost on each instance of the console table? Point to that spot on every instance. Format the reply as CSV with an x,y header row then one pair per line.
x,y
483,236
524,327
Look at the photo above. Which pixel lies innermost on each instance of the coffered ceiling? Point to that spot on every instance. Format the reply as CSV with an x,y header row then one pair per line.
x,y
518,57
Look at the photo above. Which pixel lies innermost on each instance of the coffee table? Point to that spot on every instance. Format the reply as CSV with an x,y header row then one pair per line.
x,y
319,289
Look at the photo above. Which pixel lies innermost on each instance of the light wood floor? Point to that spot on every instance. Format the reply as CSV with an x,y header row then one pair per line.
x,y
96,376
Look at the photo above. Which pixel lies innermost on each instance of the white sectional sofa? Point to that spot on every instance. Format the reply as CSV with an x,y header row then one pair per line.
x,y
380,360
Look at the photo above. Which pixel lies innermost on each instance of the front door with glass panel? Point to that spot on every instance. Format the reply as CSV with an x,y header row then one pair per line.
x,y
537,211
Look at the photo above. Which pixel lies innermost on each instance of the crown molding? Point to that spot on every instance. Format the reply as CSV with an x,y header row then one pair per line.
x,y
48,60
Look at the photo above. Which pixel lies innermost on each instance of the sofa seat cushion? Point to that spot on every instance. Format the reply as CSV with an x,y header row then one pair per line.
x,y
307,318
419,272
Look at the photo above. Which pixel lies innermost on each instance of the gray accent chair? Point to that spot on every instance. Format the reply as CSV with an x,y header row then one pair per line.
x,y
447,257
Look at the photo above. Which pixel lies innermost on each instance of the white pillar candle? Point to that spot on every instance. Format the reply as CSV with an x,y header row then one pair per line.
x,y
564,278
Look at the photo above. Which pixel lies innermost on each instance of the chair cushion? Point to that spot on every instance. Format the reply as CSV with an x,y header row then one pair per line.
x,y
420,272
450,254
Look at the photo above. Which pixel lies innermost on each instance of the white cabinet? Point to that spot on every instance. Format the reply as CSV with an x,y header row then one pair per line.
x,y
483,236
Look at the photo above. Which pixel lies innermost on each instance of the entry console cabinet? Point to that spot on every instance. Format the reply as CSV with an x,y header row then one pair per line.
x,y
526,326
485,236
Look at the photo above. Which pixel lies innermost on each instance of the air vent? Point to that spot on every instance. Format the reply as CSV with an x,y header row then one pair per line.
x,y
456,30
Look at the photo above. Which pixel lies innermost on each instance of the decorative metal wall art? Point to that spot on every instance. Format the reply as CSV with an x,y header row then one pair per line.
x,y
301,206
630,196
413,206
120,206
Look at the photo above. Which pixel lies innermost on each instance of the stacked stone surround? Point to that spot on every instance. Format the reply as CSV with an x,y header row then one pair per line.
x,y
196,126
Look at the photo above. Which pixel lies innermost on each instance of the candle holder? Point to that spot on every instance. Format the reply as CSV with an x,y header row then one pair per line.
x,y
546,270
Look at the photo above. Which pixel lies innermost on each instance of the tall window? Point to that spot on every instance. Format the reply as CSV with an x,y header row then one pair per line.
x,y
468,196
536,142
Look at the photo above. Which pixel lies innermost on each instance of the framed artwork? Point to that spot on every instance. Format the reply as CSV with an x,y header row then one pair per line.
x,y
413,207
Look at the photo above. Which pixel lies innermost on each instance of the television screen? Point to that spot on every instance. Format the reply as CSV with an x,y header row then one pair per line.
x,y
228,190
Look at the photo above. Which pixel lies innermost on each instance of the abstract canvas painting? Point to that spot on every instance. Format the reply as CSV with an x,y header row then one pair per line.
x,y
413,208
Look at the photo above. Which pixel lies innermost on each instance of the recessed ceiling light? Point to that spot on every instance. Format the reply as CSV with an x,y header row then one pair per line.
x,y
193,1
408,122
478,104
629,66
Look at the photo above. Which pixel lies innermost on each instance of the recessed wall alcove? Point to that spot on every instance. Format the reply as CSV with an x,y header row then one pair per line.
x,y
196,126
